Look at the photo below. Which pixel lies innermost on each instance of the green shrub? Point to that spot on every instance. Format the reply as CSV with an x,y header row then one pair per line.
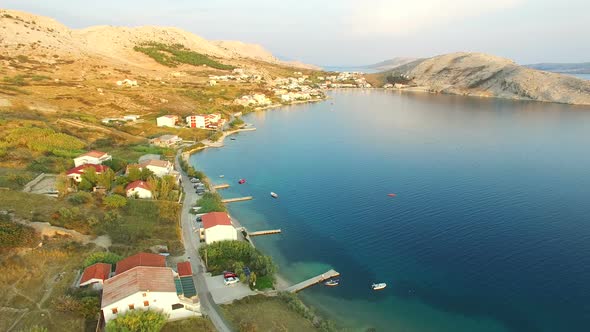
x,y
80,198
175,54
137,321
115,201
101,257
14,235
236,123
211,202
224,255
215,136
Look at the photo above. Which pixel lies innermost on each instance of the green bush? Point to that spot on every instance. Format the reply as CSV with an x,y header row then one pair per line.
x,y
137,321
224,255
80,198
14,235
211,202
236,123
102,257
175,54
115,201
215,136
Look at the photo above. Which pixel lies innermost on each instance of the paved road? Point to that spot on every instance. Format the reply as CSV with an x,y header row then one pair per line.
x,y
191,244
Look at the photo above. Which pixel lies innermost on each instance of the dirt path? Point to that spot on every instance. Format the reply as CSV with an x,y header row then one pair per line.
x,y
114,132
46,229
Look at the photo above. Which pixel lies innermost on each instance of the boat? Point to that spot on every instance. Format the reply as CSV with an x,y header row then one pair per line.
x,y
332,282
232,138
242,181
391,195
221,175
274,194
379,286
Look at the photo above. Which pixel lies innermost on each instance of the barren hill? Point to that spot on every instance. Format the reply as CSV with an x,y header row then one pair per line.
x,y
29,34
480,74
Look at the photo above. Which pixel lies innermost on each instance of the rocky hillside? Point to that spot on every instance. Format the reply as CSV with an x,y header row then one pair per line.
x,y
391,63
28,34
485,75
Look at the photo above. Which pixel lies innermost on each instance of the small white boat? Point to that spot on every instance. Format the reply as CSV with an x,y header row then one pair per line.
x,y
274,195
379,286
221,175
332,282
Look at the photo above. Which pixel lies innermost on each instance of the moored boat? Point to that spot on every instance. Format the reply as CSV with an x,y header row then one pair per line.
x,y
332,282
391,195
378,286
242,181
221,175
274,195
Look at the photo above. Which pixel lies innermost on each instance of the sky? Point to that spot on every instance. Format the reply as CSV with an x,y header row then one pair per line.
x,y
355,32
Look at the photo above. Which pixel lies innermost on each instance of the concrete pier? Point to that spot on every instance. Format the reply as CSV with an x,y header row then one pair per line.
x,y
267,232
312,281
221,186
237,199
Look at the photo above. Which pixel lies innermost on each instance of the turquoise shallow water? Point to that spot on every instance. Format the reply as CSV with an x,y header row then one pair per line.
x,y
490,229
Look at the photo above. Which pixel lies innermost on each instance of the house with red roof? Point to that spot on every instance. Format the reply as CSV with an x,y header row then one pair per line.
x,y
140,259
76,172
92,157
184,269
148,287
217,226
139,189
95,275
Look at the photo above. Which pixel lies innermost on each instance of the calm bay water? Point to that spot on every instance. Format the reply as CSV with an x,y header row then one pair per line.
x,y
490,229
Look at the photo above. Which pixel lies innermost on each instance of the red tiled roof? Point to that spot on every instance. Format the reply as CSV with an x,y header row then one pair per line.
x,y
141,259
96,271
80,169
184,269
215,219
93,153
138,279
138,184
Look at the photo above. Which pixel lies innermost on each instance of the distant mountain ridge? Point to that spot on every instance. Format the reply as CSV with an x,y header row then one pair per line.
x,y
391,63
479,74
569,68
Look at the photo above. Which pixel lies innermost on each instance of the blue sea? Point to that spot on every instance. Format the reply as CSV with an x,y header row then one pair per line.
x,y
489,231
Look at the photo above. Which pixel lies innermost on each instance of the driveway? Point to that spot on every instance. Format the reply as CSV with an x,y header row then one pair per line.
x,y
222,293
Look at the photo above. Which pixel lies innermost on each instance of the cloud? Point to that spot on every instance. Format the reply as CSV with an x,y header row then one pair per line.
x,y
402,17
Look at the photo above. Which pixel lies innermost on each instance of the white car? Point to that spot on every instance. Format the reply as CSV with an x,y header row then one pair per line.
x,y
194,180
231,280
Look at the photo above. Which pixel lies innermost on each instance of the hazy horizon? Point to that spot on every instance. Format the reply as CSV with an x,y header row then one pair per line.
x,y
349,33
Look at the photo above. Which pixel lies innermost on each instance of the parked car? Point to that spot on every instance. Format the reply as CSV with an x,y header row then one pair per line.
x,y
199,219
231,280
229,275
194,180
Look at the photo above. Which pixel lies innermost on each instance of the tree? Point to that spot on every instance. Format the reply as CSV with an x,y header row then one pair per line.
x,y
115,201
145,174
133,173
167,184
106,179
137,321
85,185
154,184
63,184
89,174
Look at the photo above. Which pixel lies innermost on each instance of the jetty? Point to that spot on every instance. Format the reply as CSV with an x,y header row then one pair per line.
x,y
312,281
267,232
221,186
237,199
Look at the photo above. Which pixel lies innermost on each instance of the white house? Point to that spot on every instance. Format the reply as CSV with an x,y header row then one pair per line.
x,y
218,227
76,172
95,275
142,288
92,157
167,121
159,167
166,140
204,121
139,189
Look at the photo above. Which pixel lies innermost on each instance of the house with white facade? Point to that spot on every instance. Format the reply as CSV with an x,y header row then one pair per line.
x,y
166,140
147,287
159,167
217,226
139,189
211,121
76,172
92,157
167,121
